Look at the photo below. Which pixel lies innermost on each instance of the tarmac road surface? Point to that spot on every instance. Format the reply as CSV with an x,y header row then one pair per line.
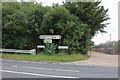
x,y
29,69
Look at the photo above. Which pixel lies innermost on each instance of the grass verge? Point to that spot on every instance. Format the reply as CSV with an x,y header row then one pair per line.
x,y
0,55
43,57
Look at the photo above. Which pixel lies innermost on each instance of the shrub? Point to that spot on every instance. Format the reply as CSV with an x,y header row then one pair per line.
x,y
50,49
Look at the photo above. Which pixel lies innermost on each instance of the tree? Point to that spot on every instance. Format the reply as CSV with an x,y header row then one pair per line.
x,y
90,13
77,23
21,22
68,26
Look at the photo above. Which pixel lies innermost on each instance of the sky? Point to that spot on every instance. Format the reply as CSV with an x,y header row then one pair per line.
x,y
112,28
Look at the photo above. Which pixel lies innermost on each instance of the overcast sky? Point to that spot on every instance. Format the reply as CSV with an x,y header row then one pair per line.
x,y
112,28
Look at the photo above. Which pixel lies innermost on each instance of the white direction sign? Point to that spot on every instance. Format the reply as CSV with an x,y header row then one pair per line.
x,y
62,47
47,40
50,36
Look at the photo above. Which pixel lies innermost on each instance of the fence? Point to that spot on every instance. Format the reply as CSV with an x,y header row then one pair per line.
x,y
33,51
113,50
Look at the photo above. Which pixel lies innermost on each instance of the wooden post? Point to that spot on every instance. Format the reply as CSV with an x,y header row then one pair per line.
x,y
90,50
113,48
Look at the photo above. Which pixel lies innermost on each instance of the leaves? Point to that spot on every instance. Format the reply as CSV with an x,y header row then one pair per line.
x,y
90,13
77,23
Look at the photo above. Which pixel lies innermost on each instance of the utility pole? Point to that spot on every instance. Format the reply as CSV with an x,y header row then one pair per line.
x,y
110,45
110,37
113,48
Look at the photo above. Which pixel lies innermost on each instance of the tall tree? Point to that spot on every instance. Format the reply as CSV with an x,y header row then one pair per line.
x,y
90,13
68,26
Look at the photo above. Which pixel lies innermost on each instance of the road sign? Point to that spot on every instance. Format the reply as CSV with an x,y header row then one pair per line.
x,y
47,40
56,36
50,36
62,47
40,46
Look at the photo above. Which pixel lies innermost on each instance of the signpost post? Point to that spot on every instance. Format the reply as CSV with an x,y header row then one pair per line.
x,y
49,38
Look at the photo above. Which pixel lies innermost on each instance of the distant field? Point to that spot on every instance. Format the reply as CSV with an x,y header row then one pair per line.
x,y
43,57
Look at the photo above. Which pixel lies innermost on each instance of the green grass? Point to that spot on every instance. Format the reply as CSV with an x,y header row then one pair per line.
x,y
43,57
0,55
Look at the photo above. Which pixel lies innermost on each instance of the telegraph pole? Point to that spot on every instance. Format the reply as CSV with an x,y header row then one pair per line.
x,y
111,47
110,37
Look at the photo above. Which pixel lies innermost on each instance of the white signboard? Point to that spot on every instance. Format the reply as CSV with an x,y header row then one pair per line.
x,y
47,40
62,47
43,36
40,46
56,36
50,36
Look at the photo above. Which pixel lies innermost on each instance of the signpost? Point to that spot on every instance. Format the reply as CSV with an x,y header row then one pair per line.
x,y
49,38
62,47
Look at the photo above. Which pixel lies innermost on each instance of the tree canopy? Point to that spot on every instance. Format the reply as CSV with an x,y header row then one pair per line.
x,y
90,13
77,23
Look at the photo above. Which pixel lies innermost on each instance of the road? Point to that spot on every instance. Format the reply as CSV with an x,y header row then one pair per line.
x,y
28,69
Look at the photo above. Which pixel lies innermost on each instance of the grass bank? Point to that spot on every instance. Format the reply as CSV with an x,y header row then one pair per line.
x,y
0,55
43,57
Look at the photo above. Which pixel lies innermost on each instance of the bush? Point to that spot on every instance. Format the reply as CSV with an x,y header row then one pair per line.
x,y
50,49
77,23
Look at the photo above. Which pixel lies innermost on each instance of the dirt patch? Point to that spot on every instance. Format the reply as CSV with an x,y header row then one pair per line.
x,y
100,59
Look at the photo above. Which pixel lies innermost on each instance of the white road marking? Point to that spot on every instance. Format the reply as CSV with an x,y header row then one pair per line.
x,y
34,62
24,61
46,69
7,60
34,74
54,63
31,62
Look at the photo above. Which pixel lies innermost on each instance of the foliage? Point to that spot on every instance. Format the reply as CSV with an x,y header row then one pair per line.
x,y
77,23
107,44
50,49
21,22
63,22
91,13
